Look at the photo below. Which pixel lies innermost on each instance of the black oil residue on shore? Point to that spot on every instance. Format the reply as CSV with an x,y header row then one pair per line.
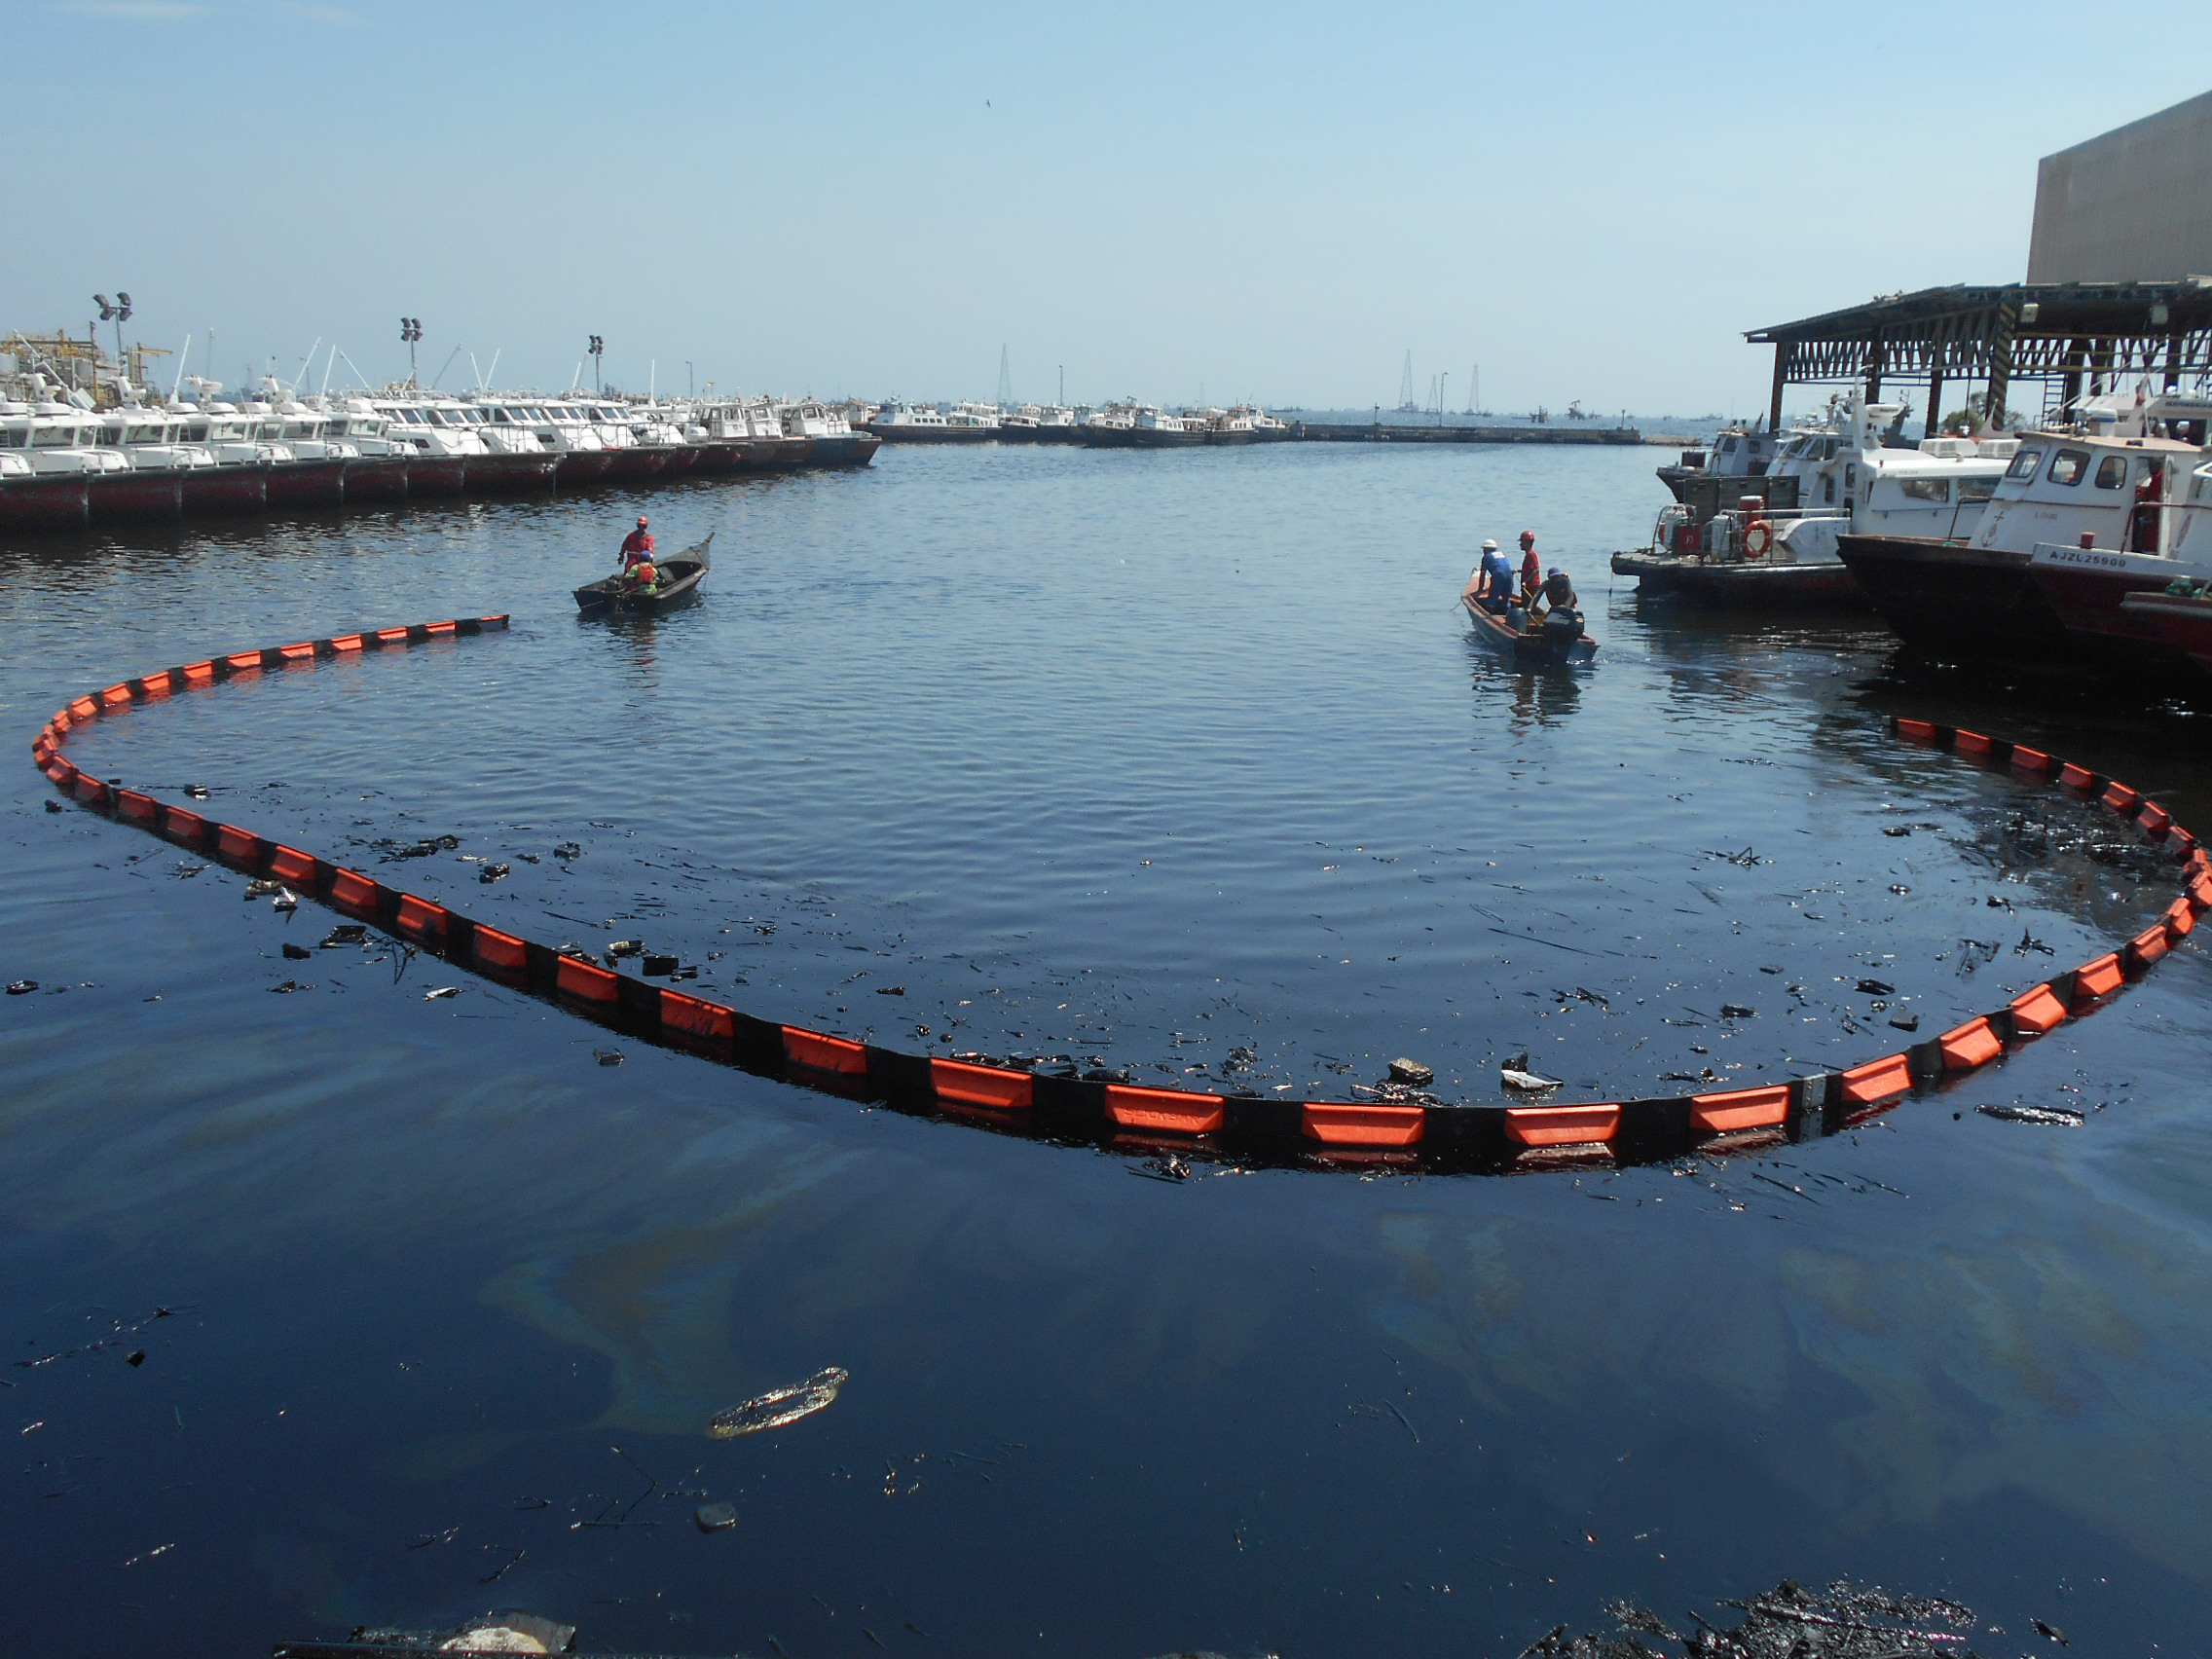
x,y
1176,765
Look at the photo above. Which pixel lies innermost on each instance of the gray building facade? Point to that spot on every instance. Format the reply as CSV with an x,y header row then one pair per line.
x,y
2133,205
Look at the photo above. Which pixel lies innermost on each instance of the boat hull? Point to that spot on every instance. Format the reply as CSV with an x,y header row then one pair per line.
x,y
848,449
1525,649
437,475
580,468
112,497
376,478
630,465
719,458
1140,437
685,572
54,501
2089,590
1748,585
307,484
2181,625
1957,603
935,434
241,486
510,474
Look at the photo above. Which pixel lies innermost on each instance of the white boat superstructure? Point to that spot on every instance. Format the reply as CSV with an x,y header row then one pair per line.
x,y
56,438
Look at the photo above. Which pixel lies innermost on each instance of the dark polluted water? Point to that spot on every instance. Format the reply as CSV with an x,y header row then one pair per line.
x,y
1177,763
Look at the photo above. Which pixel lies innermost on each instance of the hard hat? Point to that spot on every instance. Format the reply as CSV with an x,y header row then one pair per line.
x,y
641,521
1528,535
1489,546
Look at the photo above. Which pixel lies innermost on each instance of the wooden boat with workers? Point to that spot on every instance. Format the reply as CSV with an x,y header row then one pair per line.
x,y
1510,635
678,583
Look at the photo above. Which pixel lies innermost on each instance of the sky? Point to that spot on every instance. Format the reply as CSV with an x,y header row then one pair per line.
x,y
1592,201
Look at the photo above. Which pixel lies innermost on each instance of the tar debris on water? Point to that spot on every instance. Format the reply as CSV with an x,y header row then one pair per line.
x,y
1876,987
1403,1070
715,1517
1845,1621
22,987
296,952
491,872
197,791
2065,1117
263,889
54,806
608,1057
346,932
1517,1077
779,1406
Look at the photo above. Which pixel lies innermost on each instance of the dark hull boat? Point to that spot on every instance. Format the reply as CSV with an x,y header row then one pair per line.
x,y
1527,646
1952,601
1745,584
679,575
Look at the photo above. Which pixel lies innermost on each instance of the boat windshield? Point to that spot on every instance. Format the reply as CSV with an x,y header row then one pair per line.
x,y
2024,464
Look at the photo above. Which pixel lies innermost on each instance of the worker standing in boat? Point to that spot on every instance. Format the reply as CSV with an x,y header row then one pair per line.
x,y
637,555
1532,568
1492,584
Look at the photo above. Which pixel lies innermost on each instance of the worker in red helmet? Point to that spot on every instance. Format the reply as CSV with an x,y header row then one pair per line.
x,y
1532,568
638,554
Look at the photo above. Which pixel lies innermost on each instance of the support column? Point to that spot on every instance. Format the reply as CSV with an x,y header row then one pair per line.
x,y
2076,357
2173,361
1935,400
2000,362
1780,368
1874,368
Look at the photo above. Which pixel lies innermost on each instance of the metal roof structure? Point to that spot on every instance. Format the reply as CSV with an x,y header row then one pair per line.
x,y
2058,333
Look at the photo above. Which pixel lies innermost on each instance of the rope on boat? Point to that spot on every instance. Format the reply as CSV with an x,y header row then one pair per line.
x,y
1125,1116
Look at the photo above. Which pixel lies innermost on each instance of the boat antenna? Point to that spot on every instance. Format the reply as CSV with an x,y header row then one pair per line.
x,y
1006,380
576,376
300,373
328,363
494,368
441,374
356,368
181,358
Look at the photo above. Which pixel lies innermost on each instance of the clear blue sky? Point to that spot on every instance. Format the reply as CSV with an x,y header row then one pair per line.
x,y
1275,200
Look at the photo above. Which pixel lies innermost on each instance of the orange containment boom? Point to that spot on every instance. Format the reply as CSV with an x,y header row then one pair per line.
x,y
1321,1134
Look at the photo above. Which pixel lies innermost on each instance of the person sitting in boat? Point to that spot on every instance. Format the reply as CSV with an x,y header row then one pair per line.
x,y
1561,624
1492,584
1531,567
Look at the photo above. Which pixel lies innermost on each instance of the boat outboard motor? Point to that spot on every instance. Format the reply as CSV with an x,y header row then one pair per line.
x,y
1563,626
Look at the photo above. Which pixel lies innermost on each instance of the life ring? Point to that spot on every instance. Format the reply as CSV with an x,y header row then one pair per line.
x,y
1759,536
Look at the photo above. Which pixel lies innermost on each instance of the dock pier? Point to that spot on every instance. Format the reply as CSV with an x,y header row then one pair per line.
x,y
1375,432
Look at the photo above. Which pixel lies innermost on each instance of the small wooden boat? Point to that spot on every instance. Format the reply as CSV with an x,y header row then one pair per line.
x,y
679,575
1527,646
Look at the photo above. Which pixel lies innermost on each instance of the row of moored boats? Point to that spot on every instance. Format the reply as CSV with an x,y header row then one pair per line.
x,y
65,463
2082,543
1112,426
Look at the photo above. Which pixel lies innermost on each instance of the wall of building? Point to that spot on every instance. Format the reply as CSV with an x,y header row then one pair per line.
x,y
2134,204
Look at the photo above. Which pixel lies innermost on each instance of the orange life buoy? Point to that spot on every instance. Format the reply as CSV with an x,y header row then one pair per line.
x,y
1759,536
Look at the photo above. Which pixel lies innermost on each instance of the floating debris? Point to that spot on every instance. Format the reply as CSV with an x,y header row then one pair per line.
x,y
286,900
197,792
779,1406
1845,1621
1516,1076
880,990
1413,1072
626,947
608,1057
1897,829
289,985
263,889
568,850
1907,1022
1737,1011
296,952
491,872
346,932
658,967
22,987
1876,987
2065,1117
54,806
441,991
715,1517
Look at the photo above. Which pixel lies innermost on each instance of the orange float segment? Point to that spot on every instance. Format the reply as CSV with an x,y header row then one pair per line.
x,y
971,1085
2155,819
436,629
2146,947
85,787
84,709
420,919
290,865
1363,1125
1561,1126
818,1052
694,1014
242,846
2201,892
303,651
2036,1010
1877,1080
1971,742
575,977
1741,1108
2099,977
2072,777
345,642
391,636
114,696
199,673
58,770
1173,1109
138,808
243,662
350,891
2180,919
1916,731
2030,760
2121,798
1970,1046
493,948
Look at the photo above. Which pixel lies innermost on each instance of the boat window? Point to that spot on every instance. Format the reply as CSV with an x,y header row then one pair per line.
x,y
2068,466
16,437
2112,472
1727,445
51,438
2024,464
1976,489
1827,488
1926,489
